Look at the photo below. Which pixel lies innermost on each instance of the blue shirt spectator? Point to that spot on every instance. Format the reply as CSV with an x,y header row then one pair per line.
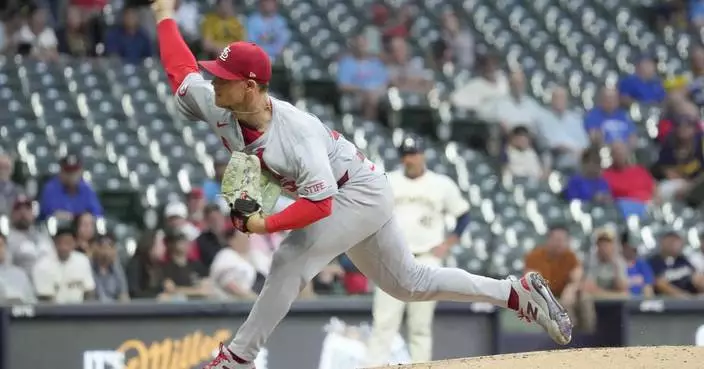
x,y
68,194
585,188
614,126
644,85
364,73
589,184
682,152
268,29
128,41
640,275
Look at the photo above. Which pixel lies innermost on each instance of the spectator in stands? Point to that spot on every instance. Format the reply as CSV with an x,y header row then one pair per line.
x,y
362,77
235,272
640,275
329,280
181,278
589,184
128,40
110,279
268,29
212,240
196,206
674,274
677,107
520,157
399,23
696,13
608,123
354,281
187,17
89,7
15,287
67,194
75,38
36,37
26,241
373,31
632,186
606,270
561,267
221,27
407,73
480,93
644,86
459,39
84,226
696,258
696,83
143,276
211,187
517,108
562,130
67,276
176,216
681,159
9,190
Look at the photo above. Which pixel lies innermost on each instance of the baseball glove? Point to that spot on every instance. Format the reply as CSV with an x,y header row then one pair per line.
x,y
247,190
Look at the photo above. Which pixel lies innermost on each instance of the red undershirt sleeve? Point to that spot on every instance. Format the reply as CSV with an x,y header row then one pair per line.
x,y
176,57
300,214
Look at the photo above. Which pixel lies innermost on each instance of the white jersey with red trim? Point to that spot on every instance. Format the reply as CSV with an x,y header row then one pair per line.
x,y
307,157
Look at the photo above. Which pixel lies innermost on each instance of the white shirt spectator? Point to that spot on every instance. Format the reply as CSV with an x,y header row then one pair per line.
x,y
480,94
517,112
65,281
523,163
26,247
421,205
188,19
229,266
15,285
563,130
45,40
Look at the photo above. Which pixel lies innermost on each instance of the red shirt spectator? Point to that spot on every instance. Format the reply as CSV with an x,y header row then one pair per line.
x,y
90,4
628,181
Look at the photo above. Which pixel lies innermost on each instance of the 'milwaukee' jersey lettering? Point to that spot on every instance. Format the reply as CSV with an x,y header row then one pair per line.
x,y
299,150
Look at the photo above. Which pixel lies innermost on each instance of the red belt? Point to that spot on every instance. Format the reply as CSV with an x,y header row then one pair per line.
x,y
345,177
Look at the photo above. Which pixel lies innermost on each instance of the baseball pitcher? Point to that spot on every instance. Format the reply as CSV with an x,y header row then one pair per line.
x,y
344,204
423,199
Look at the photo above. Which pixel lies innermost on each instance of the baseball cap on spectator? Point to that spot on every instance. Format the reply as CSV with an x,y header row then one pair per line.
x,y
196,193
71,163
176,209
412,144
20,201
64,230
241,61
605,234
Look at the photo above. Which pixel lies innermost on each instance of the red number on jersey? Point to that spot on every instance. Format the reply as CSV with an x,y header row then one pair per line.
x,y
226,144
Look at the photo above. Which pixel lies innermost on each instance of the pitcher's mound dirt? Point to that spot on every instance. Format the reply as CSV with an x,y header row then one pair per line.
x,y
658,357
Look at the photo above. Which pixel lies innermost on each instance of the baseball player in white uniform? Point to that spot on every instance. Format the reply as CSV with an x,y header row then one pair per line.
x,y
423,198
344,204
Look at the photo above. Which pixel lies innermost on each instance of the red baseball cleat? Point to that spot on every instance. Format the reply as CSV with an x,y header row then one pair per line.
x,y
226,359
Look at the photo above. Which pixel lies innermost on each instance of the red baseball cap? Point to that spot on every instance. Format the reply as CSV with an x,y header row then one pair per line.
x,y
240,61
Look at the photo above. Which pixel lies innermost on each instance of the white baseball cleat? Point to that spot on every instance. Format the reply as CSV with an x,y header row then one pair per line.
x,y
536,304
226,359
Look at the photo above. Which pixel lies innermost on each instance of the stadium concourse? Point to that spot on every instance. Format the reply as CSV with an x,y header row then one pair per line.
x,y
572,127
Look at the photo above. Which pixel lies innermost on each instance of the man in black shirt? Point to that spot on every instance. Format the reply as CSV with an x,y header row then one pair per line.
x,y
212,239
181,278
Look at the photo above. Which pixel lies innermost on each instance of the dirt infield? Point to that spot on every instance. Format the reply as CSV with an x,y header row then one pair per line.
x,y
662,357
